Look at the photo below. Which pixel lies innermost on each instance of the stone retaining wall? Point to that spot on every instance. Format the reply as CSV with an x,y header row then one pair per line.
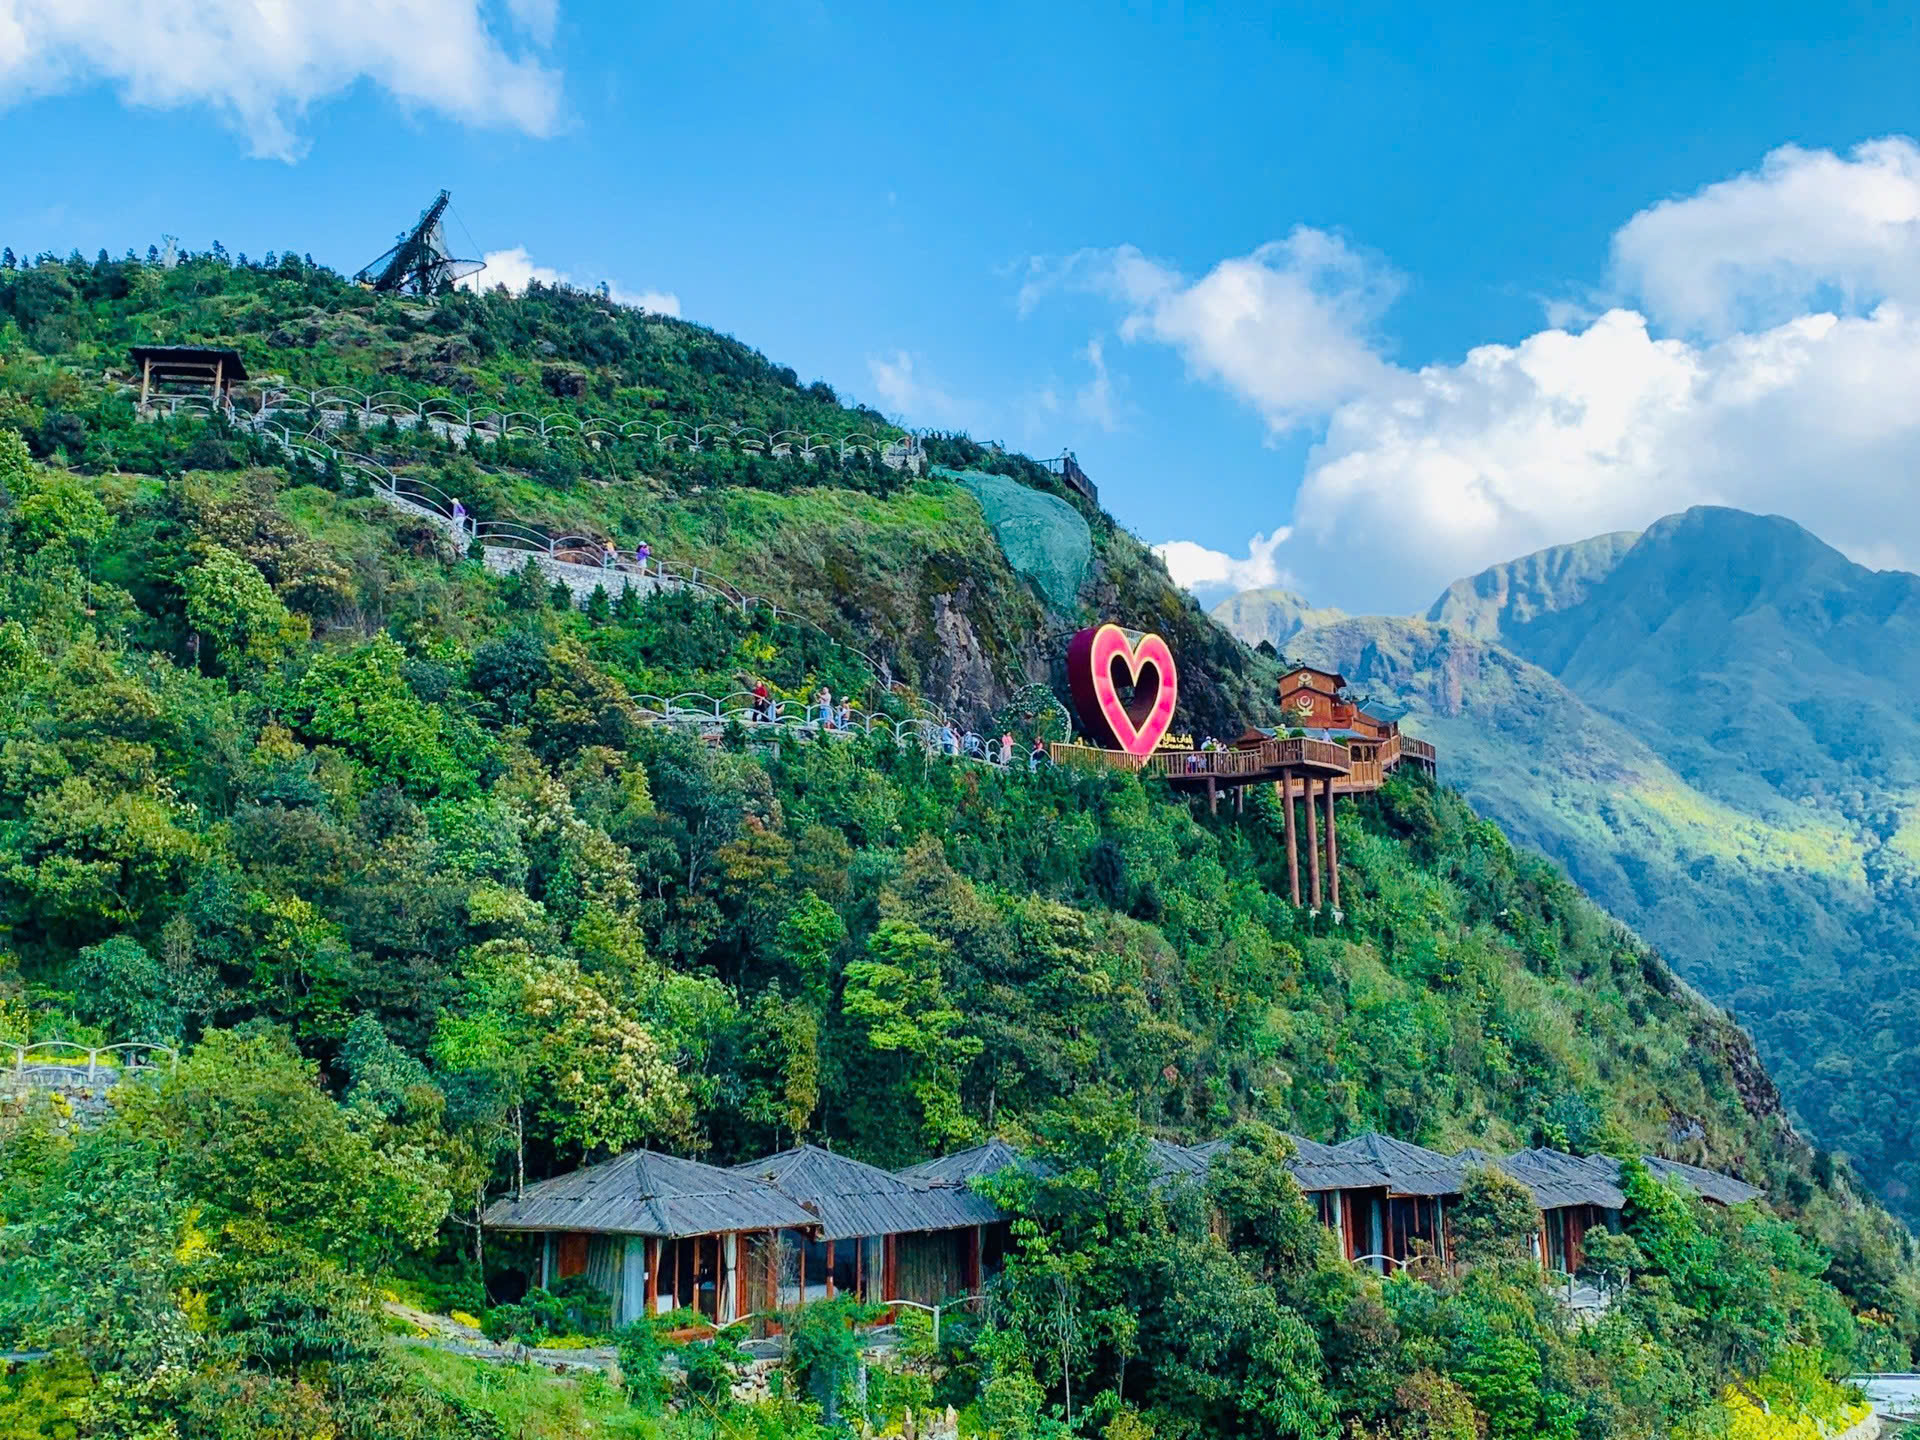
x,y
582,580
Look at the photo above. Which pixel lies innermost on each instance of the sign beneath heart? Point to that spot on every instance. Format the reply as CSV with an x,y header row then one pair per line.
x,y
1105,661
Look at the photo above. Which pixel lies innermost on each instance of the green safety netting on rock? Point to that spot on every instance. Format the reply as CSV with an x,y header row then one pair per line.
x,y
1044,538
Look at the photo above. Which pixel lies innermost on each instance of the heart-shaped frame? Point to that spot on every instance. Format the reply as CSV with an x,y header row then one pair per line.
x,y
1099,661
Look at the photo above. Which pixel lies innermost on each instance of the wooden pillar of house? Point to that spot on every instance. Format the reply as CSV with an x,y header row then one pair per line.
x,y
1239,799
830,1245
654,1247
1333,852
1284,788
890,1266
1213,796
773,1270
976,1261
1313,847
146,380
219,377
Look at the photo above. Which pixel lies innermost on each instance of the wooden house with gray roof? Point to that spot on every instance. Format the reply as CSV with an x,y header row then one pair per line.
x,y
879,1235
659,1233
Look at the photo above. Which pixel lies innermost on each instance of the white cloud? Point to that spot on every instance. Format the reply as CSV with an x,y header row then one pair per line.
x,y
260,64
1095,398
1568,435
515,269
1807,229
1195,567
912,397
1769,367
1286,328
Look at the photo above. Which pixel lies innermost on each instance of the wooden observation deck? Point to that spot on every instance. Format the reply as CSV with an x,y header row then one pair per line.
x,y
1297,768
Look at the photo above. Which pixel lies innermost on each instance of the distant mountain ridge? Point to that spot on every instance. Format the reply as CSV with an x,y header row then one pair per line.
x,y
1712,724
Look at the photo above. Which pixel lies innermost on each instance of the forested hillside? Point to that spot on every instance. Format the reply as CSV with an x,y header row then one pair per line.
x,y
1712,726
378,841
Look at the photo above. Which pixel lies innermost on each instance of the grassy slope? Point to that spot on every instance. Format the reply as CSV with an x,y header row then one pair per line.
x,y
915,575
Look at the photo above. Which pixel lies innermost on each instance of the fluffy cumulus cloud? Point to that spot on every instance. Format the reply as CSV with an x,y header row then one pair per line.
x,y
1807,230
1761,355
260,64
1288,327
1198,568
515,269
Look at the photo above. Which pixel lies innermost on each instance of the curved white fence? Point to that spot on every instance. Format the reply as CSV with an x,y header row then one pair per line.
x,y
712,715
452,518
331,405
54,1063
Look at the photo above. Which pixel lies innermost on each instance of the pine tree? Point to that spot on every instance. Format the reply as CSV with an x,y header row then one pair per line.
x,y
599,608
560,597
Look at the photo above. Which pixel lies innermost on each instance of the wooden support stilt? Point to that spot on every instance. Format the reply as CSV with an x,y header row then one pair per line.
x,y
1239,799
1213,796
654,1247
1284,788
1333,853
1313,847
146,381
830,1245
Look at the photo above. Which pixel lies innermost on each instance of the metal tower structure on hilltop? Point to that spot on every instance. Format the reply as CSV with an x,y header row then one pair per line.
x,y
422,261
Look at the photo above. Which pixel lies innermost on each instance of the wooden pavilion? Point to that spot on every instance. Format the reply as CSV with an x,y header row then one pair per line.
x,y
188,369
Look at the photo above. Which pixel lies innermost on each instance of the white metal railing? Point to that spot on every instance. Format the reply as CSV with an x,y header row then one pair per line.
x,y
52,1063
448,511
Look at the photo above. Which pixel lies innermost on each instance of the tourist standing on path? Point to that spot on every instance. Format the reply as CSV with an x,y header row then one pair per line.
x,y
823,699
640,554
1006,748
762,701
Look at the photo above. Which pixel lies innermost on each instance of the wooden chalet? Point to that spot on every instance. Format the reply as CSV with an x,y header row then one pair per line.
x,y
1418,1183
1574,1193
880,1236
659,1233
1311,699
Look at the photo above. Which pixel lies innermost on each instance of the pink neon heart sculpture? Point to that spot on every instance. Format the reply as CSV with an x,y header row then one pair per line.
x,y
1099,661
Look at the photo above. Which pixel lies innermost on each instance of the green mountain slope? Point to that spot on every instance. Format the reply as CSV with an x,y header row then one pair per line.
x,y
1723,706
380,841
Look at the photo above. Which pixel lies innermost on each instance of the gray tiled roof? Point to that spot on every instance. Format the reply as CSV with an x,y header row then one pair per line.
x,y
1409,1169
646,1193
1326,1167
1558,1179
1707,1184
1170,1161
849,1198
964,1165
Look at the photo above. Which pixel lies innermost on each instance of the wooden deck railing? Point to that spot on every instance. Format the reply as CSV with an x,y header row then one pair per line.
x,y
1304,755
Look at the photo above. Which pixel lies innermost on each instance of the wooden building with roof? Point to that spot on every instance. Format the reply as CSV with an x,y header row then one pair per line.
x,y
658,1233
188,370
878,1235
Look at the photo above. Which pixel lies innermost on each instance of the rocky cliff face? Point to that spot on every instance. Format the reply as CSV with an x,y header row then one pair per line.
x,y
1273,615
1503,597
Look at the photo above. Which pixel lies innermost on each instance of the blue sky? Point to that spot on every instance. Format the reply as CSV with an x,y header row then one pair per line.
x,y
1244,263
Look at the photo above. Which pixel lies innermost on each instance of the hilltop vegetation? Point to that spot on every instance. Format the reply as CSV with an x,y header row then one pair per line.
x,y
377,840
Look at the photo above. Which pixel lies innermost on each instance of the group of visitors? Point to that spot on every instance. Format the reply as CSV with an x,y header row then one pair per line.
x,y
832,717
610,555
